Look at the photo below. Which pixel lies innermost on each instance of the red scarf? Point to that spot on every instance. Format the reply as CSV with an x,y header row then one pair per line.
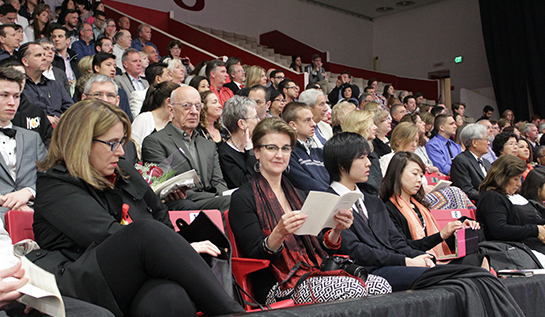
x,y
305,249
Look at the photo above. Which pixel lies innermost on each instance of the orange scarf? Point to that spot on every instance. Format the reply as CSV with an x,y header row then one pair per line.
x,y
415,227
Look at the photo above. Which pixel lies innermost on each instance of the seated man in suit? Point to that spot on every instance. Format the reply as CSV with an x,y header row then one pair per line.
x,y
316,100
441,149
237,76
20,148
307,171
179,139
469,168
130,80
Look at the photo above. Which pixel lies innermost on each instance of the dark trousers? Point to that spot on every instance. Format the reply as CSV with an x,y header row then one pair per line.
x,y
400,277
153,271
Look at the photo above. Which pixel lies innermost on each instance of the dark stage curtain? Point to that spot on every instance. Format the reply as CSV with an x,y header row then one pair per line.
x,y
514,38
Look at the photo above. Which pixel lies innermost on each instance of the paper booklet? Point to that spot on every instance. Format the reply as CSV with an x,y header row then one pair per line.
x,y
188,179
440,185
41,291
321,207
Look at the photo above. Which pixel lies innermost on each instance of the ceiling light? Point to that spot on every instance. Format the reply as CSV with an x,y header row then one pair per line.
x,y
384,9
405,3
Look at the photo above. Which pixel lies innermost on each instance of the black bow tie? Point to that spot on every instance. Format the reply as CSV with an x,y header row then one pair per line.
x,y
8,132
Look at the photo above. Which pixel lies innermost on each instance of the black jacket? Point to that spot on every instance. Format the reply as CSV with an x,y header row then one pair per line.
x,y
71,218
59,62
466,173
33,117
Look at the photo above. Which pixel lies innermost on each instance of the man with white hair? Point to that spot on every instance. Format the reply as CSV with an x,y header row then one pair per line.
x,y
469,169
316,100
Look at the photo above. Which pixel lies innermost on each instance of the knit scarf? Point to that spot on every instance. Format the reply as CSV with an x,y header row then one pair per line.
x,y
297,249
415,227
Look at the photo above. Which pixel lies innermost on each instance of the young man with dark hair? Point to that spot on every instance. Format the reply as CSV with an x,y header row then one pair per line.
x,y
29,116
104,45
410,103
275,78
441,149
487,113
290,89
261,95
65,58
20,150
307,171
99,18
71,24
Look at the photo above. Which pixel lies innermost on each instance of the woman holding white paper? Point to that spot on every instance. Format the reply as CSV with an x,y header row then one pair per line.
x,y
264,215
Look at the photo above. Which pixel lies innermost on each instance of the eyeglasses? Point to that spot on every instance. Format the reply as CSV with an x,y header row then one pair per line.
x,y
256,117
293,87
273,148
281,100
113,145
187,106
101,94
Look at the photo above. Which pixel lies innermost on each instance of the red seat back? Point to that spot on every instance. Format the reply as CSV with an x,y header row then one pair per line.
x,y
19,225
190,215
433,178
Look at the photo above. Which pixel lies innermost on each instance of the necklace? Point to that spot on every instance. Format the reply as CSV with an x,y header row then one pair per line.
x,y
236,146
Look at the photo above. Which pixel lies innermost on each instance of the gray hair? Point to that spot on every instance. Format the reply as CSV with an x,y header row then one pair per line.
x,y
127,52
526,128
310,97
540,151
45,40
234,109
101,79
541,127
472,132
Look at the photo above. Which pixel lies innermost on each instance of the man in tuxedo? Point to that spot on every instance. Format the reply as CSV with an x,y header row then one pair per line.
x,y
469,168
130,80
20,148
237,76
188,150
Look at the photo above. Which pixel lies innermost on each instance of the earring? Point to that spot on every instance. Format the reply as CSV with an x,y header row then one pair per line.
x,y
256,167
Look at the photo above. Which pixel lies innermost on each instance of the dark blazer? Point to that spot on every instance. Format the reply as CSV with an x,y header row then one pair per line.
x,y
466,173
169,141
59,62
402,226
60,76
375,176
71,218
231,85
377,243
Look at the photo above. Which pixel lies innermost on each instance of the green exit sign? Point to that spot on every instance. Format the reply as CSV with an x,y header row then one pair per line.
x,y
458,59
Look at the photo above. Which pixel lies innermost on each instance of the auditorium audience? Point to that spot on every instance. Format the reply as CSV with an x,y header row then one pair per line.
x,y
381,144
155,73
441,149
509,115
236,156
237,75
530,133
344,80
533,190
174,49
124,23
261,95
275,78
404,138
104,63
21,148
306,167
177,70
296,63
32,56
152,54
200,83
110,29
40,24
98,21
290,89
144,60
469,168
255,75
316,100
130,80
410,103
500,218
9,41
364,99
397,111
487,113
403,194
51,72
263,221
19,19
278,102
372,241
505,143
122,41
317,74
143,38
217,75
388,91
85,45
338,113
490,156
84,159
540,156
210,126
104,45
524,152
155,113
180,141
415,118
378,98
503,123
65,58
